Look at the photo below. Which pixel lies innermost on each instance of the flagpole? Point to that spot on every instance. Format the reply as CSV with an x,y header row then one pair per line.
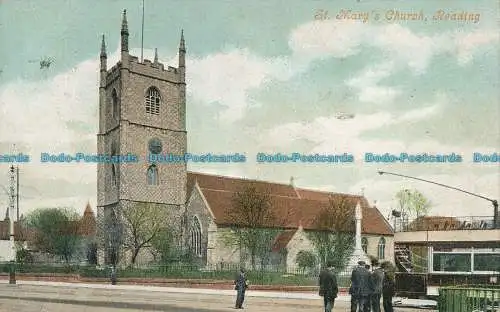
x,y
142,33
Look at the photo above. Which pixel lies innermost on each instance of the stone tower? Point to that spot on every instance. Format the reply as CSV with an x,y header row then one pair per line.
x,y
142,111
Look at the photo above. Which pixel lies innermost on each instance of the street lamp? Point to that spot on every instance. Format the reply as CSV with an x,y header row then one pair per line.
x,y
496,224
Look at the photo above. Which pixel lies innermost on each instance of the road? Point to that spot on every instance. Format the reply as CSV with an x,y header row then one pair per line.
x,y
34,298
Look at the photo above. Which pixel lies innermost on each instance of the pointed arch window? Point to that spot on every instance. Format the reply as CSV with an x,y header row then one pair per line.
x,y
114,170
381,249
195,231
115,106
152,175
364,244
152,101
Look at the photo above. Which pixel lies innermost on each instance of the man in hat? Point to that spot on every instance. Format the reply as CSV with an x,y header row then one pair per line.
x,y
240,285
328,287
360,288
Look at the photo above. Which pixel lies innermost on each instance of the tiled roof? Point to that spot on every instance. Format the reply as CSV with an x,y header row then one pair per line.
x,y
292,206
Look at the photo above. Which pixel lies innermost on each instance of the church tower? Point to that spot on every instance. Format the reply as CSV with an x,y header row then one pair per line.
x,y
142,111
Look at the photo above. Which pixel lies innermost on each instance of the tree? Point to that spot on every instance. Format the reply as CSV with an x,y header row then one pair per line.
x,y
305,260
144,223
164,249
56,231
112,236
334,237
412,204
92,252
254,225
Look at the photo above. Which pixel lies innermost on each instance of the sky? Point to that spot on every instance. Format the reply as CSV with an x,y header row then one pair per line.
x,y
267,76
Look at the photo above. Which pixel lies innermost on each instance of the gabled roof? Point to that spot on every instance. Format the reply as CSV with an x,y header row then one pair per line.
x,y
281,241
292,206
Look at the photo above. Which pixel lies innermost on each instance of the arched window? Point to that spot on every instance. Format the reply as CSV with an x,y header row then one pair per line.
x,y
114,99
152,175
152,101
114,170
381,249
364,244
195,232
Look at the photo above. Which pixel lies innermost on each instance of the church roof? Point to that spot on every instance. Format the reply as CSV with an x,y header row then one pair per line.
x,y
292,206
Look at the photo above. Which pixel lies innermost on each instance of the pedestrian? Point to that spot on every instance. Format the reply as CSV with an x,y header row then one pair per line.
x,y
113,275
328,287
377,281
240,285
360,288
388,288
368,306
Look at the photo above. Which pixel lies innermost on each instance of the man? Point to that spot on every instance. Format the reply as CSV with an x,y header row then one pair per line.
x,y
360,288
388,288
369,297
377,281
328,287
240,285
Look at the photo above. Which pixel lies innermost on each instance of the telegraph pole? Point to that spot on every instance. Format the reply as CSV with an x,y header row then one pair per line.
x,y
496,224
12,273
17,192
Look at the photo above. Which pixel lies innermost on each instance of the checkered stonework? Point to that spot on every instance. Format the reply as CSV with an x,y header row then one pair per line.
x,y
141,103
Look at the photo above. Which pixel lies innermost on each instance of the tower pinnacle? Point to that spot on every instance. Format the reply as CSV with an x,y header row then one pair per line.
x,y
103,48
156,56
182,45
124,32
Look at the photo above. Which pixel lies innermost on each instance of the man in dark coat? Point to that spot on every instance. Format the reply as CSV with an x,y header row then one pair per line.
x,y
388,288
376,283
328,287
240,285
360,288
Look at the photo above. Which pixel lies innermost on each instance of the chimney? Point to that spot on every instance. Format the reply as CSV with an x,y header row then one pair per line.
x,y
292,182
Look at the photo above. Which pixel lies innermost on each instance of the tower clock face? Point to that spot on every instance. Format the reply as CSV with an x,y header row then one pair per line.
x,y
155,146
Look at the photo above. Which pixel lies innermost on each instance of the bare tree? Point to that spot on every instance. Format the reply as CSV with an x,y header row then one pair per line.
x,y
144,223
254,225
333,238
112,235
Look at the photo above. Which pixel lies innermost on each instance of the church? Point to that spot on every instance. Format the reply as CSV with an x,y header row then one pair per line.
x,y
142,111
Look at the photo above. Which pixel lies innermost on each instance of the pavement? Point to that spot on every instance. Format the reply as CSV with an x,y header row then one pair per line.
x,y
34,296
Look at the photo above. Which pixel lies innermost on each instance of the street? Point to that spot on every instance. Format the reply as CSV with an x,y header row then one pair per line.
x,y
38,298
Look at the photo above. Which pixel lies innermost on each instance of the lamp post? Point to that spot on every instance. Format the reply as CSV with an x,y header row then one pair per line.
x,y
496,224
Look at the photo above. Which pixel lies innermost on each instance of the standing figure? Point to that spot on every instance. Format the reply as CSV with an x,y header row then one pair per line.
x,y
377,281
360,288
240,285
328,287
368,305
388,289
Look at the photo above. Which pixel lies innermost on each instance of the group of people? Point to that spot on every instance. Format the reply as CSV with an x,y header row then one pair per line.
x,y
368,286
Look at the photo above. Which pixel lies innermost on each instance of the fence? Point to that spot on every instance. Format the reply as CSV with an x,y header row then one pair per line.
x,y
269,275
469,299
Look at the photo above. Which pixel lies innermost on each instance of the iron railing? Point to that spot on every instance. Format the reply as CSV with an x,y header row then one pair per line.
x,y
477,298
268,275
430,223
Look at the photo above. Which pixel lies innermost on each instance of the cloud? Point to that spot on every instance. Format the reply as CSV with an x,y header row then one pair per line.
x,y
469,44
325,39
367,84
342,38
226,78
329,134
